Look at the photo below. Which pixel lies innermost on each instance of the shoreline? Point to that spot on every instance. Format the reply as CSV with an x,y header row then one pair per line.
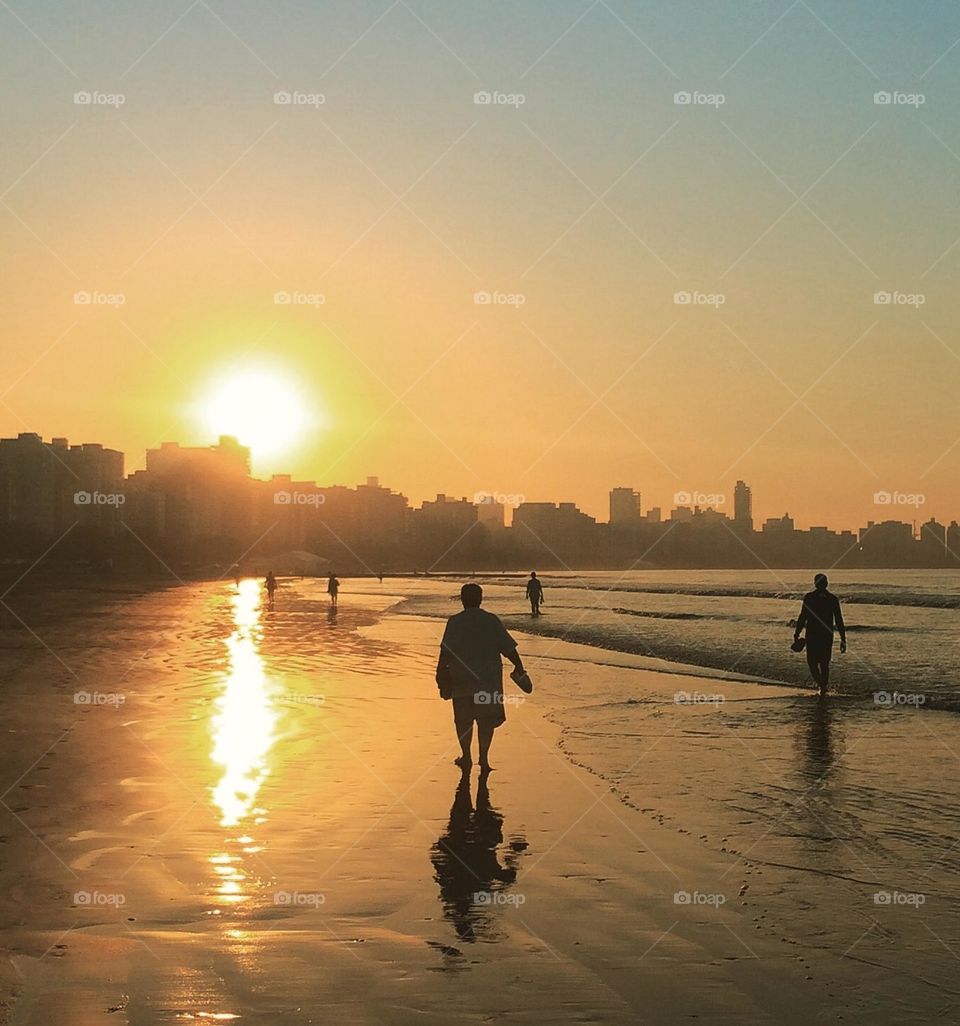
x,y
260,753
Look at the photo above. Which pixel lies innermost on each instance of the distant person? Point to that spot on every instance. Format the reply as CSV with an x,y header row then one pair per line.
x,y
333,589
236,574
380,575
820,615
534,593
470,672
271,583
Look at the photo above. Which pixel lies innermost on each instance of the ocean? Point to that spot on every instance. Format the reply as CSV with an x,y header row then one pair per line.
x,y
903,637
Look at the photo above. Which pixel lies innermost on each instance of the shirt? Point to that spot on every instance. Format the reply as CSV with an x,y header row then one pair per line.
x,y
473,644
820,614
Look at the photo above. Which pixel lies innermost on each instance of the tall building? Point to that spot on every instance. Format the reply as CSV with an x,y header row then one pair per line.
x,y
624,507
743,506
207,491
46,488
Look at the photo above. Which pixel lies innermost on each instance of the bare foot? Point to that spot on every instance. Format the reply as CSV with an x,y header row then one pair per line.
x,y
485,767
463,761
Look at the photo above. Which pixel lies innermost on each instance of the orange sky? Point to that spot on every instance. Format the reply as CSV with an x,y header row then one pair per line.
x,y
592,203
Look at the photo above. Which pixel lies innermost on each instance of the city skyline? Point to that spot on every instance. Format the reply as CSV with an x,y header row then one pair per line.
x,y
509,273
625,506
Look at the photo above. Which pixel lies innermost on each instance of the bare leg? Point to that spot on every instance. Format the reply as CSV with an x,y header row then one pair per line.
x,y
814,664
465,737
824,676
484,737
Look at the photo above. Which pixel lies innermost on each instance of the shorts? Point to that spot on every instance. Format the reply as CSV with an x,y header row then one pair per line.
x,y
819,650
485,708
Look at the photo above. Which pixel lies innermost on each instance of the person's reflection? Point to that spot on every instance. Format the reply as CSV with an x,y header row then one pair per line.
x,y
818,751
467,866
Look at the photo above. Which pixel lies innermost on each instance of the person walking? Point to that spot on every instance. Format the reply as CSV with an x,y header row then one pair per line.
x,y
534,593
470,673
820,616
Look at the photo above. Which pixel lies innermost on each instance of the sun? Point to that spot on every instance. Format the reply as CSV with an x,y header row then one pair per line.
x,y
262,409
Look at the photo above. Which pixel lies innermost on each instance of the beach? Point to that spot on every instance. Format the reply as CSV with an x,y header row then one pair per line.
x,y
218,812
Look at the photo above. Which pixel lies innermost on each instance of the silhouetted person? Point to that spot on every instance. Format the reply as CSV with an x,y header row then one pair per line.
x,y
467,863
271,583
820,615
534,593
470,671
333,589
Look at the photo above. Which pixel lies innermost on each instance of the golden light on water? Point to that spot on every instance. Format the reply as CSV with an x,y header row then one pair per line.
x,y
245,721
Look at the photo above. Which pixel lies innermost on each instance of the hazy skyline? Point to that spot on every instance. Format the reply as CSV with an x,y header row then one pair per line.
x,y
598,199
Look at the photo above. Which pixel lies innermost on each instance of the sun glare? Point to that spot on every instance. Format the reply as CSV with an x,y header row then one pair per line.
x,y
262,409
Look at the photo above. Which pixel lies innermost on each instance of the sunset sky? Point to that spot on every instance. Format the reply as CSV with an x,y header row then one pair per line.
x,y
185,210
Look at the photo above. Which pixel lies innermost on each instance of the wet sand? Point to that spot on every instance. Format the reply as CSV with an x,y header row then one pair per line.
x,y
253,816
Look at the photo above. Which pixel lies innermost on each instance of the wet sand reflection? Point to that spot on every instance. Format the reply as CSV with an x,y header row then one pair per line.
x,y
244,730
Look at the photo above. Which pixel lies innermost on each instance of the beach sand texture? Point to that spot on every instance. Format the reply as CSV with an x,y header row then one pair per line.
x,y
218,813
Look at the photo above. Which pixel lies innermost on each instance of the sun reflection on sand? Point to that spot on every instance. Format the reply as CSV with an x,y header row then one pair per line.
x,y
243,728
